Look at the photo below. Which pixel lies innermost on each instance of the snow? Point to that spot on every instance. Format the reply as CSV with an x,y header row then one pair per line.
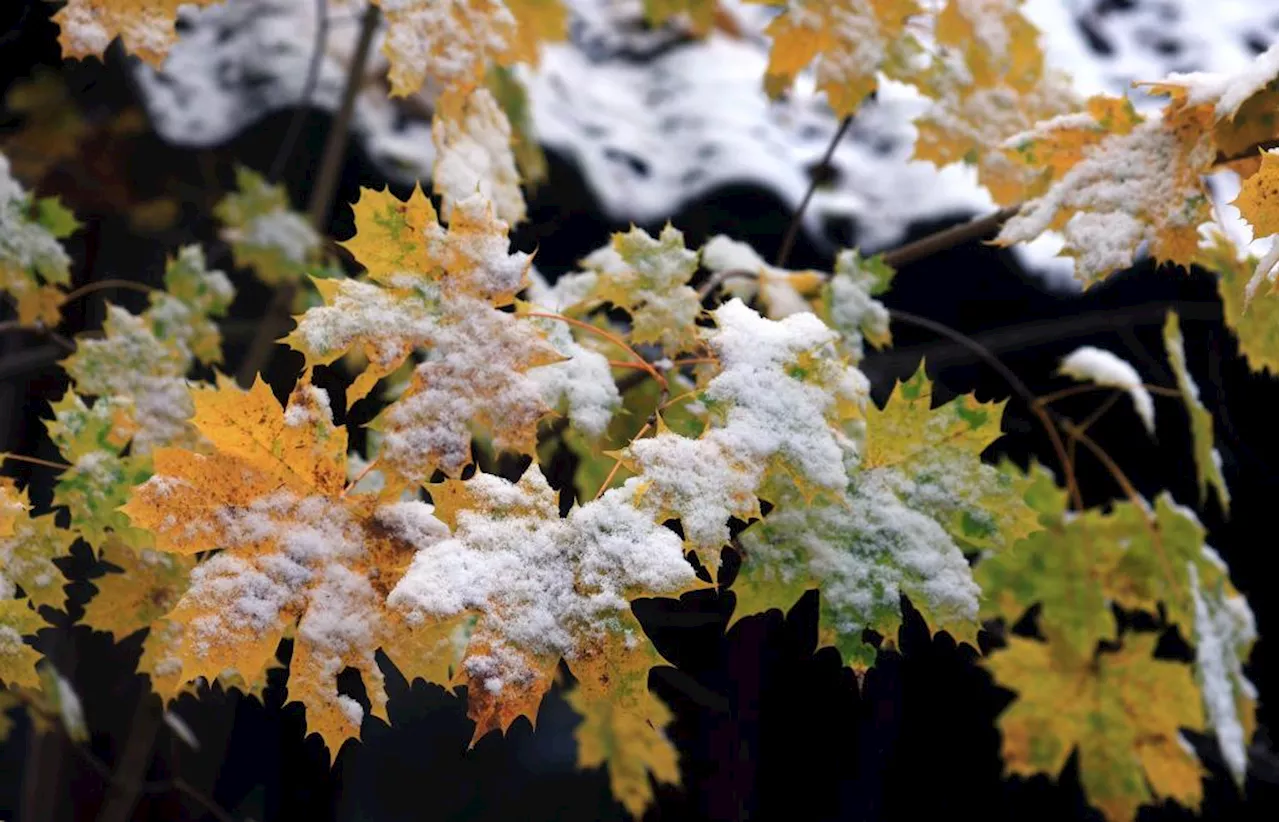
x,y
70,709
768,408
1224,628
475,373
475,156
181,729
583,382
1097,365
1227,92
25,245
541,582
653,134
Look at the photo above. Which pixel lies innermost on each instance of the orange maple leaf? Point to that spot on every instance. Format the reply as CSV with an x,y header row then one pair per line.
x,y
297,556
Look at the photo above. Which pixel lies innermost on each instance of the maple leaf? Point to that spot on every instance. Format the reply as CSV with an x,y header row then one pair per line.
x,y
1259,195
145,27
17,658
1260,204
142,359
144,586
698,15
100,476
972,125
1237,111
28,546
473,154
478,376
447,43
648,278
850,39
998,43
1256,322
1129,183
402,245
1121,713
265,233
920,496
297,557
437,290
848,304
622,720
545,587
128,361
32,261
1208,462
777,410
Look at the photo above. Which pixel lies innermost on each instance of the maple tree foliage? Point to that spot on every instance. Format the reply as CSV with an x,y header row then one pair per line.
x,y
230,522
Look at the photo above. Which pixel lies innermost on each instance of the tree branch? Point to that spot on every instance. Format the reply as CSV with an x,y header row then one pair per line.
x,y
321,199
789,239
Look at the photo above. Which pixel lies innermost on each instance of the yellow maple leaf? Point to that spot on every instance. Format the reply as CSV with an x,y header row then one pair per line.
x,y
18,659
1260,195
402,245
449,44
297,556
146,27
998,43
147,586
1140,182
28,546
850,39
1121,712
622,720
13,506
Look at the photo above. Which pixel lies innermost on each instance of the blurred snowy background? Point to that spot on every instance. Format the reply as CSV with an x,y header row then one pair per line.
x,y
656,118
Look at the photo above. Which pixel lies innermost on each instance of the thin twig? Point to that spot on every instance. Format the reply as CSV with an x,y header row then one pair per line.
x,y
1014,382
793,230
290,141
100,285
1107,462
1087,388
321,199
7,455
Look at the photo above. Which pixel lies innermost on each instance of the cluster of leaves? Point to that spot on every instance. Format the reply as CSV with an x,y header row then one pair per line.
x,y
236,523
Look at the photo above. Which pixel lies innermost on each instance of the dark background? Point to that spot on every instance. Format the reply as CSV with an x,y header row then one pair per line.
x,y
767,726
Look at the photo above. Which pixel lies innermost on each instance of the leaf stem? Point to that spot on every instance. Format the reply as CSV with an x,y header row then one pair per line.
x,y
641,362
